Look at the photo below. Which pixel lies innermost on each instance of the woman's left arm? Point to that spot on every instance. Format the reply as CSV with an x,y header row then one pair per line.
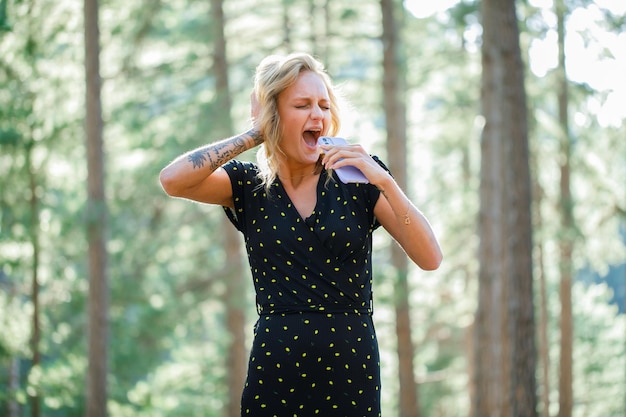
x,y
395,212
407,225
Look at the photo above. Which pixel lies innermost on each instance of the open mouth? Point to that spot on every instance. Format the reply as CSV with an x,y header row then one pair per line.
x,y
310,137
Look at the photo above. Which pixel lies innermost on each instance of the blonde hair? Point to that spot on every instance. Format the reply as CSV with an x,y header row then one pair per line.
x,y
273,75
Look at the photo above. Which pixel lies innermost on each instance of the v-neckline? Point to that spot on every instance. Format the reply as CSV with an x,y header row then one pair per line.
x,y
293,206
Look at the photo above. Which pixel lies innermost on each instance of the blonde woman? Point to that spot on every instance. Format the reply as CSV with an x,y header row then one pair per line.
x,y
309,241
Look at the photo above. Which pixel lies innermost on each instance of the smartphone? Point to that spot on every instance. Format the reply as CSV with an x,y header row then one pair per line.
x,y
348,173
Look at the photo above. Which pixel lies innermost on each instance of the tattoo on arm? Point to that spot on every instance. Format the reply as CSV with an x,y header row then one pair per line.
x,y
222,152
257,139
197,158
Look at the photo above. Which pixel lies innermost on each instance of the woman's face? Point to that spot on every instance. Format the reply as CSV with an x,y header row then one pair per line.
x,y
304,110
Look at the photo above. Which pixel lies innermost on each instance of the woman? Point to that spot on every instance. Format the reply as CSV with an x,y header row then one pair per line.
x,y
309,239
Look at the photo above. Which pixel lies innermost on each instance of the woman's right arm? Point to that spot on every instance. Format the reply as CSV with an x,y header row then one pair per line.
x,y
198,176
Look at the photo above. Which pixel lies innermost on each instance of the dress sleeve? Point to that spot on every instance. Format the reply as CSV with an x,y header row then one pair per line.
x,y
242,177
374,193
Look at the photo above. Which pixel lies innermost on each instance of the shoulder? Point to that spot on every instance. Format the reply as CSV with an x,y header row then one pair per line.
x,y
381,163
237,169
236,164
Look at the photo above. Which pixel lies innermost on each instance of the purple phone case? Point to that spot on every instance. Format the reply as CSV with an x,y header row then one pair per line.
x,y
347,174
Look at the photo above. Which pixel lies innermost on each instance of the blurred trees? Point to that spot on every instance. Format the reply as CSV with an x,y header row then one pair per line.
x,y
566,210
394,108
96,222
505,352
168,260
234,279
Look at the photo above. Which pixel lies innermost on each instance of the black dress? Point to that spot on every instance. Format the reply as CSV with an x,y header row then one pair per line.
x,y
315,351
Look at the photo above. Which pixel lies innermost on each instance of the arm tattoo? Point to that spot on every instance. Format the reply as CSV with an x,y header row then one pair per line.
x,y
197,158
257,139
222,152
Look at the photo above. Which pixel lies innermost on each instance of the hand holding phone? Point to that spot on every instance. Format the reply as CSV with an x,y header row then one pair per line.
x,y
349,173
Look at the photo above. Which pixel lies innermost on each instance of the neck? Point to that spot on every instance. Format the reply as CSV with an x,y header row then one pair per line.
x,y
296,178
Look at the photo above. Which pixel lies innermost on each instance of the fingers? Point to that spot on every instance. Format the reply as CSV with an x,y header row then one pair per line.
x,y
255,107
342,155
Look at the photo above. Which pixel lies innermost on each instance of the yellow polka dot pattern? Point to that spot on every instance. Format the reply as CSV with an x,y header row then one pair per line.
x,y
307,364
315,350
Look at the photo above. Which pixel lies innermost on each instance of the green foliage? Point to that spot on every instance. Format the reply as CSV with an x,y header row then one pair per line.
x,y
14,323
166,258
599,353
9,137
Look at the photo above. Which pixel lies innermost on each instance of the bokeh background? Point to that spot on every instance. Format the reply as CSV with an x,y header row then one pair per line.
x,y
178,287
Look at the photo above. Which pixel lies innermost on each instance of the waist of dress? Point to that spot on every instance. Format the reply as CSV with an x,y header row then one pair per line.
x,y
315,308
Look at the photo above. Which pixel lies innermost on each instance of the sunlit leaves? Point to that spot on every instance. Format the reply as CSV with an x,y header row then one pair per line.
x,y
166,255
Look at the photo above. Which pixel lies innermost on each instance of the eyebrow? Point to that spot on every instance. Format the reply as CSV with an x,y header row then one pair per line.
x,y
308,98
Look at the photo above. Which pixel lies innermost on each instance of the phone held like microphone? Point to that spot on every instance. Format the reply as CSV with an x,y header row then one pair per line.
x,y
348,173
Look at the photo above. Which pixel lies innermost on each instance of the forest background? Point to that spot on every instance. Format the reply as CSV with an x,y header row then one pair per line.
x,y
170,262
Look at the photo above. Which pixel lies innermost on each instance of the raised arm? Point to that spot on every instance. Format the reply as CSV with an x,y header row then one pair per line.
x,y
197,175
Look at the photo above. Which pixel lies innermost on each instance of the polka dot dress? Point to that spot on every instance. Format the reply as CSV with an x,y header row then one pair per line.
x,y
315,350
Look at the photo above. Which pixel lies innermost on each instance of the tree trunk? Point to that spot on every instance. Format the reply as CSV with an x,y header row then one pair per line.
x,y
544,343
320,17
566,245
34,238
286,24
13,377
14,385
315,29
236,319
98,299
395,118
328,15
504,340
235,312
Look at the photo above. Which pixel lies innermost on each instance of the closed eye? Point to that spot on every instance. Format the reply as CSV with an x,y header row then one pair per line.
x,y
306,106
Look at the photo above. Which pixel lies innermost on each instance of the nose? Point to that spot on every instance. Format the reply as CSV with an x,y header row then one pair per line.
x,y
316,112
